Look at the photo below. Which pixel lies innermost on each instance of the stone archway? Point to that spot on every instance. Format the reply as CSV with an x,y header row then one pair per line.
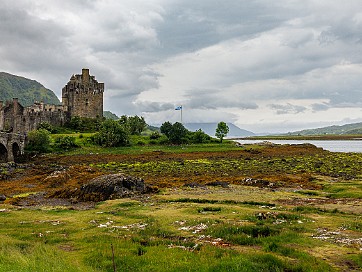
x,y
16,151
3,153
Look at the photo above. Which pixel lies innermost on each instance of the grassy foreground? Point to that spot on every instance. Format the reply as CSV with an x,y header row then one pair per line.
x,y
247,209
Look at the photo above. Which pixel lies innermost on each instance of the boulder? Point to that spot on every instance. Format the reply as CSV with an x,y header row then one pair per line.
x,y
111,186
2,197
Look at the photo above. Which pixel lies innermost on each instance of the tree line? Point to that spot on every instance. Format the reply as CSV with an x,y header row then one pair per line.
x,y
116,133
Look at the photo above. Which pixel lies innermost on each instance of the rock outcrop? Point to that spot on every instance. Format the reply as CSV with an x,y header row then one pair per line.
x,y
106,187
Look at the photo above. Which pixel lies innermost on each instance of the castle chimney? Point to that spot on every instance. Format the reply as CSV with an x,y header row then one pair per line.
x,y
85,76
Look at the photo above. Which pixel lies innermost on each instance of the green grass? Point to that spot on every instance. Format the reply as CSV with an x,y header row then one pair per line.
x,y
347,189
140,144
160,235
237,228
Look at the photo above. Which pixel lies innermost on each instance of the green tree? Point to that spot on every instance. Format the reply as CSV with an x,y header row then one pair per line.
x,y
166,128
136,124
199,137
123,120
178,133
47,126
84,124
221,131
111,134
38,140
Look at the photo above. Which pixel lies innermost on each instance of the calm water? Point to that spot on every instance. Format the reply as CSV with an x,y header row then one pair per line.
x,y
334,146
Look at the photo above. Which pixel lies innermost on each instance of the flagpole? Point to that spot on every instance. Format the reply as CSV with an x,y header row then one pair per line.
x,y
180,109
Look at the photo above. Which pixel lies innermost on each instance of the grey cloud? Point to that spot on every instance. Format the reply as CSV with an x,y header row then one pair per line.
x,y
320,107
192,25
347,98
287,108
213,99
154,106
27,41
263,51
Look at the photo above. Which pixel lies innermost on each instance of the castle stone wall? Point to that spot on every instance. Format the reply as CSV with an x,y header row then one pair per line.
x,y
82,96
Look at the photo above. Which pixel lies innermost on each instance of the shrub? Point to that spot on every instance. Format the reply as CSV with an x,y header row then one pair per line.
x,y
65,142
111,134
84,124
155,135
46,126
39,140
199,137
141,142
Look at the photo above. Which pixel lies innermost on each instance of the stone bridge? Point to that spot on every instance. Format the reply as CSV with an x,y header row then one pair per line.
x,y
11,146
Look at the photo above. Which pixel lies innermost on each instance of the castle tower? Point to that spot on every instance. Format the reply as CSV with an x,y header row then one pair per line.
x,y
83,96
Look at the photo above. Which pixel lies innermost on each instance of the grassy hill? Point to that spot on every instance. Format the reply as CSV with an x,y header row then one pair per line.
x,y
110,115
26,90
348,129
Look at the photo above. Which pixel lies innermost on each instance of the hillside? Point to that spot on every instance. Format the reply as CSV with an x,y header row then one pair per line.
x,y
348,129
26,90
110,115
210,128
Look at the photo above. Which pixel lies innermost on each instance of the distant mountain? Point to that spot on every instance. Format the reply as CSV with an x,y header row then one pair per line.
x,y
110,115
26,90
348,129
210,128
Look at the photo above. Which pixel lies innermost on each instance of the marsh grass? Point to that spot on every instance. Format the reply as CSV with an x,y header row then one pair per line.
x,y
214,201
61,239
312,209
209,209
144,145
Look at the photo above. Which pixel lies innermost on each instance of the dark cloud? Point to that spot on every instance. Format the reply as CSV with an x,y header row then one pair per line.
x,y
192,25
28,41
220,59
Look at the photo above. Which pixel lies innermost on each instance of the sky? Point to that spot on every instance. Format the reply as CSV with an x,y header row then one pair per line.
x,y
266,66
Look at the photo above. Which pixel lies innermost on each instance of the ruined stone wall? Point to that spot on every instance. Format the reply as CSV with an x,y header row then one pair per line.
x,y
9,114
17,119
32,120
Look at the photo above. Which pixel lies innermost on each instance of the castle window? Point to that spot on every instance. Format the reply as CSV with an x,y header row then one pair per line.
x,y
86,102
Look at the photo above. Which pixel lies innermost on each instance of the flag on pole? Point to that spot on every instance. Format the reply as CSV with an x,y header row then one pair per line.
x,y
180,109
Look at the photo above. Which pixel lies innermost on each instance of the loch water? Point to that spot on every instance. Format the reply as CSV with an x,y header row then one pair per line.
x,y
330,145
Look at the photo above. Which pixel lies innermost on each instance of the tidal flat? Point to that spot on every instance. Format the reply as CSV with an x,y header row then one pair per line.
x,y
250,208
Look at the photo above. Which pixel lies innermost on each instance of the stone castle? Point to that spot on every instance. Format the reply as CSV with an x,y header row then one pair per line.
x,y
82,96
